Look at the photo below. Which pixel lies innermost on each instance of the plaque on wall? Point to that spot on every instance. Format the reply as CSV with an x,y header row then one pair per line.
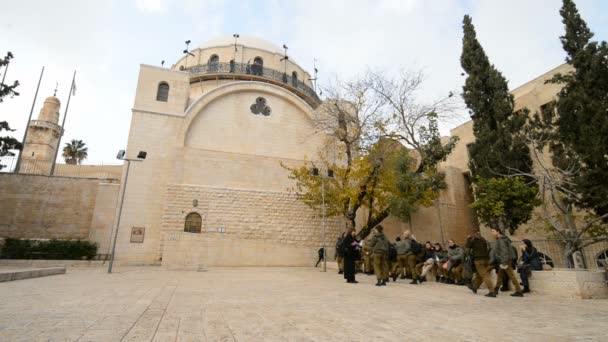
x,y
137,234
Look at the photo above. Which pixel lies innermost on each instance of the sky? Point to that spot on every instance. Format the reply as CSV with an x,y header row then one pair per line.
x,y
106,41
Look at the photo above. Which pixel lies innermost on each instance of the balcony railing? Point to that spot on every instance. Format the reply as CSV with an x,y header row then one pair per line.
x,y
255,70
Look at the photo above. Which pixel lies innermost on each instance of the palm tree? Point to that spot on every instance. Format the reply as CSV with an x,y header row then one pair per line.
x,y
75,152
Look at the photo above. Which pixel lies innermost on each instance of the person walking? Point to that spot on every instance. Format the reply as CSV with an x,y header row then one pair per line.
x,y
477,247
339,256
350,251
321,253
379,245
530,262
504,258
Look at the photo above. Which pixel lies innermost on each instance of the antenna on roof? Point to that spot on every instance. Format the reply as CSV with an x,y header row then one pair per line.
x,y
314,80
56,86
285,58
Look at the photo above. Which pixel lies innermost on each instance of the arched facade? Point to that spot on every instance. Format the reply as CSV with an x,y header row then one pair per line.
x,y
225,142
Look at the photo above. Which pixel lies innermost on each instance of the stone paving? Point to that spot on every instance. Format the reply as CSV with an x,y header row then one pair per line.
x,y
278,304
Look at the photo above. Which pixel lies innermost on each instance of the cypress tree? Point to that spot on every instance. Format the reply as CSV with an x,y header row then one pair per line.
x,y
499,151
582,109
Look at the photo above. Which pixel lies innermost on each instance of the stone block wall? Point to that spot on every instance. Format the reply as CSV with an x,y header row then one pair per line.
x,y
276,218
43,207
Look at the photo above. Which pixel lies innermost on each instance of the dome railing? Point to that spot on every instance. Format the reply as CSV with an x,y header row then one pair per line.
x,y
256,70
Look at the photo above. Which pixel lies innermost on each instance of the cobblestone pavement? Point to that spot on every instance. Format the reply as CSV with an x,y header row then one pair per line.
x,y
282,304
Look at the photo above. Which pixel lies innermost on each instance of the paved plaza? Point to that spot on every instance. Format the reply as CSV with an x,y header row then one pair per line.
x,y
278,304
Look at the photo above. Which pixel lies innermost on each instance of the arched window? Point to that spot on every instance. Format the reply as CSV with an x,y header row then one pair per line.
x,y
602,259
214,62
294,79
193,223
162,94
546,260
258,66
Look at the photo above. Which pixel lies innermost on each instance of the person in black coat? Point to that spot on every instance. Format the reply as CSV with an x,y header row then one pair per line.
x,y
530,262
350,249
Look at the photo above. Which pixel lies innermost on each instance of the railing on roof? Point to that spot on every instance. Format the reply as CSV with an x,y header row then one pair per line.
x,y
255,71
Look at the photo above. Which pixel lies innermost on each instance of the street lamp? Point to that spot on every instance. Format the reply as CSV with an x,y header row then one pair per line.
x,y
121,156
330,174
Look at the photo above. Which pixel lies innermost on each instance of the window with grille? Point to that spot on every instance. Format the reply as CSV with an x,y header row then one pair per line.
x,y
214,62
602,259
294,79
545,259
258,66
193,223
162,94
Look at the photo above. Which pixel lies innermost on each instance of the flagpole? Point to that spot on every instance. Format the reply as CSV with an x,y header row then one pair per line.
x,y
65,114
27,125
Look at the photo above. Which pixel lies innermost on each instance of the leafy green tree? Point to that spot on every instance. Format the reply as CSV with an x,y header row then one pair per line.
x,y
418,180
75,152
582,112
7,143
504,202
499,150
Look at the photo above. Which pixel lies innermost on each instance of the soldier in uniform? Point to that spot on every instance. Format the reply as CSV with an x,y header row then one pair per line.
x,y
441,257
340,254
402,247
455,262
379,245
503,254
478,249
411,255
367,258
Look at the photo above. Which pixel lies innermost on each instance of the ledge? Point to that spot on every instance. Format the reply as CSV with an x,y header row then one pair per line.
x,y
18,274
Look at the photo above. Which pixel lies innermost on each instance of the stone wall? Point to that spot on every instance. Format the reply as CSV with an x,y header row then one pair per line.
x,y
43,207
196,251
275,218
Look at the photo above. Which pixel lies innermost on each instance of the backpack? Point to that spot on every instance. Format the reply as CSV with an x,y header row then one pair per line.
x,y
415,247
392,252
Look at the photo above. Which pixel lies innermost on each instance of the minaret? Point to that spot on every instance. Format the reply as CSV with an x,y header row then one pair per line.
x,y
41,141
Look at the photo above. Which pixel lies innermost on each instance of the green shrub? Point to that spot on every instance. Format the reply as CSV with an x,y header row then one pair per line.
x,y
52,249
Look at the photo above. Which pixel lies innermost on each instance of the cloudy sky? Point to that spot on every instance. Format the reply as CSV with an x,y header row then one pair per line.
x,y
105,41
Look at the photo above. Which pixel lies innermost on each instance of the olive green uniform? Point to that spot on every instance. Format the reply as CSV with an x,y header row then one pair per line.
x,y
379,246
456,257
504,256
478,248
402,248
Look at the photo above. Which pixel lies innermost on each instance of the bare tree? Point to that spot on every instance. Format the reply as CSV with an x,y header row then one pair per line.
x,y
576,228
411,120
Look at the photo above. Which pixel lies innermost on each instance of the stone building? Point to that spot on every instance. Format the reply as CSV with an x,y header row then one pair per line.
x,y
216,126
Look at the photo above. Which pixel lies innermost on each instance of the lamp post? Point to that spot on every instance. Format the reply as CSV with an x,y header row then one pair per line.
x,y
121,156
187,52
285,58
236,37
330,174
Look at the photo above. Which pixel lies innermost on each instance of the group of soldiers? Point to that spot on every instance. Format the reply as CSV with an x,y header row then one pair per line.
x,y
406,258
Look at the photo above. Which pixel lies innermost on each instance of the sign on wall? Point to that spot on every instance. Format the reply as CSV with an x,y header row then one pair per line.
x,y
137,234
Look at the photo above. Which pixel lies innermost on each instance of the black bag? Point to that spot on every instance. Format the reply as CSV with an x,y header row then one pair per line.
x,y
415,247
392,252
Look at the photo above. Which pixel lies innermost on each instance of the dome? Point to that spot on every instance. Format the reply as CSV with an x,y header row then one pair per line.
x,y
248,41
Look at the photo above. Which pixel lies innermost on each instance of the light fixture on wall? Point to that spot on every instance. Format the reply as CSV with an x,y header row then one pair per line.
x,y
121,156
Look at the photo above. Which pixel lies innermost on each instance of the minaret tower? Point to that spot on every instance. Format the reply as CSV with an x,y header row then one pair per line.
x,y
41,141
